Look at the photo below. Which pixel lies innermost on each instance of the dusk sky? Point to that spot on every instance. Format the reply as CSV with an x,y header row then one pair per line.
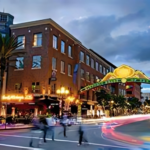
x,y
119,30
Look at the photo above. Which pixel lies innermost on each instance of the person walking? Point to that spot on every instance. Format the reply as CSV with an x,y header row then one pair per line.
x,y
82,136
43,127
64,124
51,122
34,129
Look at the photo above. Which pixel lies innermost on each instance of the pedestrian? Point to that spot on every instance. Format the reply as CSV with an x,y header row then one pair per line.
x,y
34,129
43,127
82,137
51,122
64,124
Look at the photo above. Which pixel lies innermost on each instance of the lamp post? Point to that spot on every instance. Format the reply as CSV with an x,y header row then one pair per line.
x,y
62,91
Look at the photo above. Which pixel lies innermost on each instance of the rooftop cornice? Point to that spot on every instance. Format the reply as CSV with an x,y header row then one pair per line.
x,y
41,22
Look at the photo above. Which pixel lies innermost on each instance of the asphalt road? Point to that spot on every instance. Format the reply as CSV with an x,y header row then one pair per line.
x,y
19,140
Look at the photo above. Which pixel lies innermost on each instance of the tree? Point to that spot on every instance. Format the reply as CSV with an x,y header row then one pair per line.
x,y
103,98
8,46
134,103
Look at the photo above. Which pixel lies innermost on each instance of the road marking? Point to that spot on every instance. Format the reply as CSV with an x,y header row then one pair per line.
x,y
22,147
84,129
59,140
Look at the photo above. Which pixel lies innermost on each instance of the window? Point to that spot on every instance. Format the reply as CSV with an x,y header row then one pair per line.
x,y
100,69
92,78
62,67
3,18
87,60
54,63
53,89
36,87
21,39
69,51
37,39
69,70
129,92
97,66
112,69
107,70
87,76
18,87
82,56
36,62
92,63
82,73
55,42
62,47
20,62
104,71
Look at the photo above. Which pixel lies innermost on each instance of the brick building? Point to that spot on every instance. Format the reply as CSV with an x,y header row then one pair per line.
x,y
49,48
133,90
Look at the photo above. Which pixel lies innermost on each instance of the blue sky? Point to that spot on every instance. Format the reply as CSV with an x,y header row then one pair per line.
x,y
118,30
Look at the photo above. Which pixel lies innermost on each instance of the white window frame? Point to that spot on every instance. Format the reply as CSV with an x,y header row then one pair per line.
x,y
70,51
55,42
18,62
21,38
104,70
100,68
87,60
69,70
37,40
62,47
62,67
97,66
81,56
92,63
33,59
54,63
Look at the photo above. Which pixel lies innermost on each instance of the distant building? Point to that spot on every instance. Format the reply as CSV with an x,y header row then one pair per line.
x,y
133,89
5,21
146,96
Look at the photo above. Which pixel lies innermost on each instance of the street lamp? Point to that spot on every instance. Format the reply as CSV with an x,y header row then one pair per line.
x,y
62,91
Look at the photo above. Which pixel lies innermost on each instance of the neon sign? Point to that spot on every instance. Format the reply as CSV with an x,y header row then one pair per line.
x,y
15,97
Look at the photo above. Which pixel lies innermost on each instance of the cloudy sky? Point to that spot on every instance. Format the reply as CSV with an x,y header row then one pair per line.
x,y
118,30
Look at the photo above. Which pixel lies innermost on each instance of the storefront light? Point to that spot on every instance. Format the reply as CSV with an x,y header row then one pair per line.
x,y
58,91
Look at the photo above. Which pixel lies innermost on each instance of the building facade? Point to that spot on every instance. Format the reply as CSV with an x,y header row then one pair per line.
x,y
52,51
145,96
133,90
5,21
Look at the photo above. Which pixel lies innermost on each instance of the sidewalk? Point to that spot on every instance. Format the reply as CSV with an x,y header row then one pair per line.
x,y
14,126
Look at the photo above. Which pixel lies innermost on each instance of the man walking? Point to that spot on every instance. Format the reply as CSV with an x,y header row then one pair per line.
x,y
51,124
82,136
64,124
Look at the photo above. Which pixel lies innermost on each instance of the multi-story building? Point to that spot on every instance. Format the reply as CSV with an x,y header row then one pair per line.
x,y
145,96
5,21
49,49
133,90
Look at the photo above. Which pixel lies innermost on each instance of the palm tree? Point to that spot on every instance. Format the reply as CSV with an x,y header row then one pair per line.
x,y
8,46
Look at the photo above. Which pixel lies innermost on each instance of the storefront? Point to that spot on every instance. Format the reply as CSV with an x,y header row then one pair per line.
x,y
29,104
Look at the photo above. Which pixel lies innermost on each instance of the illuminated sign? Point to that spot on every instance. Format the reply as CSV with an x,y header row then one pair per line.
x,y
17,97
129,87
121,74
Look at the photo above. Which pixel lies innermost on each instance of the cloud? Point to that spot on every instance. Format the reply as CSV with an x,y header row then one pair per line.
x,y
146,90
95,33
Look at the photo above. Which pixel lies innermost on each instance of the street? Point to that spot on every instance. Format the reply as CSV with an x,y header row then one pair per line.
x,y
19,139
